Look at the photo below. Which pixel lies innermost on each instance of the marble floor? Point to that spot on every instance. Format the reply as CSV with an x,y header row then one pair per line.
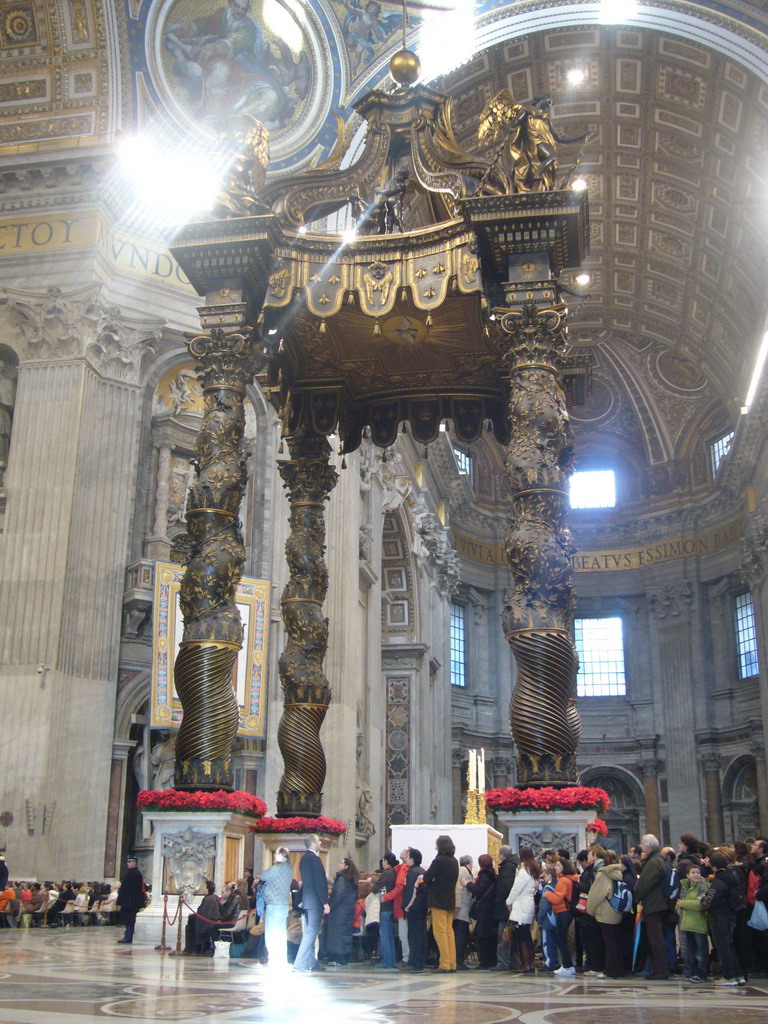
x,y
76,976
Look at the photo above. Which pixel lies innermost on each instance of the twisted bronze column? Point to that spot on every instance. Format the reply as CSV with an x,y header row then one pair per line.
x,y
309,479
213,632
539,608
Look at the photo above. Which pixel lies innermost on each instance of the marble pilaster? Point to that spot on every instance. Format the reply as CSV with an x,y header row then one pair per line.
x,y
62,560
710,765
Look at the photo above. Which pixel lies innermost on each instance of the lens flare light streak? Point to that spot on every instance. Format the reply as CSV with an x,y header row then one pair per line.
x,y
756,374
168,185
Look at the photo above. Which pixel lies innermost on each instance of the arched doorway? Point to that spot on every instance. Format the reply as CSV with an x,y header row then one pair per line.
x,y
626,808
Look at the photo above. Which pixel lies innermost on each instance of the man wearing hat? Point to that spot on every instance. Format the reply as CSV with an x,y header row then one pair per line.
x,y
131,898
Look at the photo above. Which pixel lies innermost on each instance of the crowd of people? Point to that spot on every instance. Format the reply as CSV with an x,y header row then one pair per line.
x,y
700,911
653,912
55,904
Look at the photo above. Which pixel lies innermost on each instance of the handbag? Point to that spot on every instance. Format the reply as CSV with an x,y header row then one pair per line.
x,y
474,910
758,919
506,935
221,949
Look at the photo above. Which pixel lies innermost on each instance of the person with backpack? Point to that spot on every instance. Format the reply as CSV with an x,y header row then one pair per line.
x,y
591,936
561,901
650,891
545,918
725,901
607,895
742,933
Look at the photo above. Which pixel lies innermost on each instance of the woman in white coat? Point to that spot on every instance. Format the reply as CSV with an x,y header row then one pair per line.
x,y
522,907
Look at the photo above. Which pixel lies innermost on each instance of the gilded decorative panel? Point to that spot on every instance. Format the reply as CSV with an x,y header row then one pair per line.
x,y
55,77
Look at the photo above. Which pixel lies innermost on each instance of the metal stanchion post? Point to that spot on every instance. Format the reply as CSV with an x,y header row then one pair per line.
x,y
177,951
163,947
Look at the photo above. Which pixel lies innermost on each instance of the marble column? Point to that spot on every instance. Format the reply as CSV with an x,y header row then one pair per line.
x,y
501,769
710,765
162,494
673,644
309,479
538,611
757,747
650,770
753,568
70,486
458,758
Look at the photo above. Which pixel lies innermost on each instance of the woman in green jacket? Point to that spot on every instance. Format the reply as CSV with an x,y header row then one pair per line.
x,y
694,929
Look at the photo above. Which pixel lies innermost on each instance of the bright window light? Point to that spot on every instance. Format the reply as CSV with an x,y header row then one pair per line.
x,y
718,449
746,637
576,76
593,489
582,280
617,12
756,373
600,646
447,39
578,184
464,461
283,23
458,645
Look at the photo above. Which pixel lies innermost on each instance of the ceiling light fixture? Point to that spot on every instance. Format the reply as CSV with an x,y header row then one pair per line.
x,y
617,12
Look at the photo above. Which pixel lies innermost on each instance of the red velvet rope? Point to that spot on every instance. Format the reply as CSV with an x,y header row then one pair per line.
x,y
222,924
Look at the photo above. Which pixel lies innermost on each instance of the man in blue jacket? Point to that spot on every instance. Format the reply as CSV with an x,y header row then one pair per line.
x,y
314,904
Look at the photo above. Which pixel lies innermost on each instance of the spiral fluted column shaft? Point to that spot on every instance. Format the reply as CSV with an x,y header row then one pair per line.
x,y
213,631
538,609
309,479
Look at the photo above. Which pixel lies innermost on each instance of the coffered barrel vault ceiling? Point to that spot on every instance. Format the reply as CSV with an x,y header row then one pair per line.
x,y
678,212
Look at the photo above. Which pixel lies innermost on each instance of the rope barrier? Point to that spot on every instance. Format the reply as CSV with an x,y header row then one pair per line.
x,y
223,924
171,923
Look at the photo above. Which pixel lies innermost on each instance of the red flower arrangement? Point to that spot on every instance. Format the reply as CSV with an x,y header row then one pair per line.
x,y
218,800
547,798
326,826
598,826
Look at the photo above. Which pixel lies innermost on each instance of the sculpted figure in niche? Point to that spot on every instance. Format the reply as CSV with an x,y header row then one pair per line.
x,y
7,398
163,759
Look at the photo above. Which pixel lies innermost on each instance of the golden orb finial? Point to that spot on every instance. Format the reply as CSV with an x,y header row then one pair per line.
x,y
405,67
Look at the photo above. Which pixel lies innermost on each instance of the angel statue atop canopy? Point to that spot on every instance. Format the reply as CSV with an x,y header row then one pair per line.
x,y
527,134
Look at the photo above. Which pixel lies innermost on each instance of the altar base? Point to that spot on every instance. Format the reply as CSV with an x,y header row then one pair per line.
x,y
547,830
294,842
190,847
468,839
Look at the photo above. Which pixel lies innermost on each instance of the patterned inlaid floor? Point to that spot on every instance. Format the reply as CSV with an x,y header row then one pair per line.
x,y
75,976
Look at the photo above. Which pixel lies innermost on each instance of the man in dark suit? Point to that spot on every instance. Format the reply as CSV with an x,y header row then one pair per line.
x,y
131,898
314,904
